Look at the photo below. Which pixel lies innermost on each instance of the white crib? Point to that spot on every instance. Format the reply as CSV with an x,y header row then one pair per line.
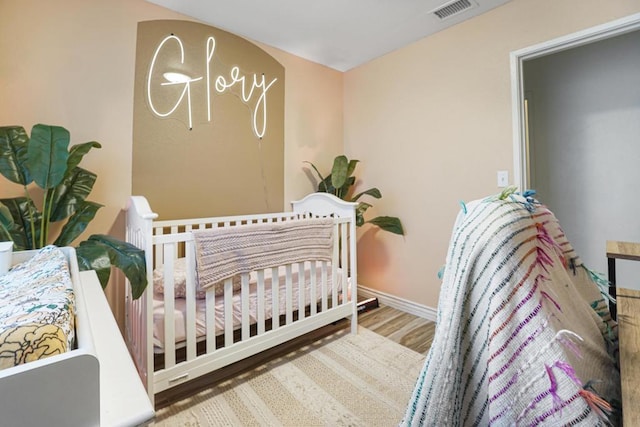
x,y
187,343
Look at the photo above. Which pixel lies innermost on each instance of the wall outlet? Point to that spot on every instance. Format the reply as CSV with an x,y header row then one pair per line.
x,y
503,179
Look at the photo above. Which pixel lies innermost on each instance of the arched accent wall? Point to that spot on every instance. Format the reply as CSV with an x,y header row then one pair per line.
x,y
208,128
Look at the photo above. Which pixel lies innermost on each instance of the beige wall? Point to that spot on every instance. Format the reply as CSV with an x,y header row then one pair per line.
x,y
431,124
71,63
229,164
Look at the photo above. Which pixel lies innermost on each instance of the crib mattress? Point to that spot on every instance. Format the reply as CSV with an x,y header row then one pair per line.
x,y
180,311
37,309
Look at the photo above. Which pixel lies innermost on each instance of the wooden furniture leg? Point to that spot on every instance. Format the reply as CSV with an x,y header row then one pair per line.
x,y
619,250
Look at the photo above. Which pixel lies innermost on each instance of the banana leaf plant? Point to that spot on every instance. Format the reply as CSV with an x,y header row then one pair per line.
x,y
340,182
60,191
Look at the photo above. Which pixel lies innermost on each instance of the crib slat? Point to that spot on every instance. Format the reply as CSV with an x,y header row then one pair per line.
x,y
301,291
334,264
210,319
313,284
289,295
228,312
169,304
137,324
245,306
275,298
142,322
158,248
324,286
261,312
190,301
344,262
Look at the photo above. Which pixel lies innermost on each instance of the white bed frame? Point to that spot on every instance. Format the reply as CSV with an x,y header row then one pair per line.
x,y
164,240
94,384
51,390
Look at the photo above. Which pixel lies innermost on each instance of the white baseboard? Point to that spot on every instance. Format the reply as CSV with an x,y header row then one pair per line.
x,y
407,306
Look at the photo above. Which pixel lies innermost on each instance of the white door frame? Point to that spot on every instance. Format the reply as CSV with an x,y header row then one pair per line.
x,y
590,35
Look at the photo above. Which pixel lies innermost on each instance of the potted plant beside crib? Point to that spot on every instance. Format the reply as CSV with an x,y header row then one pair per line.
x,y
55,190
341,182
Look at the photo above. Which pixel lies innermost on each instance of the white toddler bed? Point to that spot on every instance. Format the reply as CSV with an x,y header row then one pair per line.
x,y
93,382
50,390
226,301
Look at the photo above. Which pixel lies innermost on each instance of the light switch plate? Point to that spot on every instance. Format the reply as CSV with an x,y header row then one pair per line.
x,y
503,179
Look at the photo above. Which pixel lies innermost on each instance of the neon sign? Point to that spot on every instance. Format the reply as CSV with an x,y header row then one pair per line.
x,y
253,88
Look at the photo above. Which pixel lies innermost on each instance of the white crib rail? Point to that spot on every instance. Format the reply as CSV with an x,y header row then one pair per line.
x,y
139,313
330,297
322,205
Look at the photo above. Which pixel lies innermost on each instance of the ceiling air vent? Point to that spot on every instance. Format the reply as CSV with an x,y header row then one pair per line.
x,y
452,9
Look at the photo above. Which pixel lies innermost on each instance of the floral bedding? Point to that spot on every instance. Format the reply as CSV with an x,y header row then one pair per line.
x,y
37,309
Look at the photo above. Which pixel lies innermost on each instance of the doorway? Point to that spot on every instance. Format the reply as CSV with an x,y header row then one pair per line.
x,y
577,127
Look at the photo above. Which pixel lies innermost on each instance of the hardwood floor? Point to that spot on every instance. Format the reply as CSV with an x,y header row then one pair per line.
x,y
406,329
411,331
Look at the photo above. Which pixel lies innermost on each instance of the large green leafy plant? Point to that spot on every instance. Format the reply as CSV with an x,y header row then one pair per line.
x,y
340,182
59,195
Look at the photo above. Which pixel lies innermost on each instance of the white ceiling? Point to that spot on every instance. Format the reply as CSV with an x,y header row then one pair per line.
x,y
340,34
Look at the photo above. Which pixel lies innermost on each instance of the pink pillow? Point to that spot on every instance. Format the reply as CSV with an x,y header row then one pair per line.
x,y
180,281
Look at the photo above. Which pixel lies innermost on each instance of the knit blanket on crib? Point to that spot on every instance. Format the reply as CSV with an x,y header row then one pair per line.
x,y
523,335
222,253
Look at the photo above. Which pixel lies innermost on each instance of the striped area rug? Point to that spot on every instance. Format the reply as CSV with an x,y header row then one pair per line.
x,y
343,379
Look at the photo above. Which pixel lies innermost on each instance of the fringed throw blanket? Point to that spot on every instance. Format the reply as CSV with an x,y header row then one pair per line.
x,y
224,252
524,336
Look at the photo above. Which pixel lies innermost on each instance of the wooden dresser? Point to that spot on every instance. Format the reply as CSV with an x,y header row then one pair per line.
x,y
629,335
628,317
619,250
